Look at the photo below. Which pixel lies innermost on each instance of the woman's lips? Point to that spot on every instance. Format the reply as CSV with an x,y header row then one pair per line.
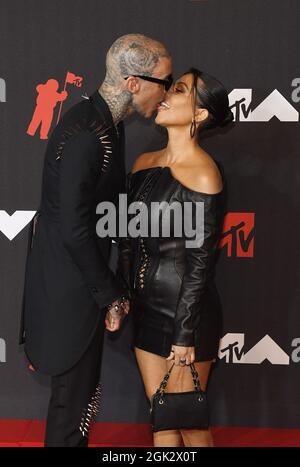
x,y
163,106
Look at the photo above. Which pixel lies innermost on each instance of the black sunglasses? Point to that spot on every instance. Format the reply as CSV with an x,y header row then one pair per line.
x,y
167,83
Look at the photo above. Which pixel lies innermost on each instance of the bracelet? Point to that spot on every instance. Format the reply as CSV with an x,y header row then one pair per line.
x,y
117,307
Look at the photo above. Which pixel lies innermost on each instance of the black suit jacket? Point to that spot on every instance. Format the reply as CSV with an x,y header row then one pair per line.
x,y
68,281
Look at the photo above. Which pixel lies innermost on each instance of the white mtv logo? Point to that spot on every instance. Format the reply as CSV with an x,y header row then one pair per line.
x,y
232,350
2,351
2,90
274,105
12,225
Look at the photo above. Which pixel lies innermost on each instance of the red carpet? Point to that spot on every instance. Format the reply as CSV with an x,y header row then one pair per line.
x,y
29,433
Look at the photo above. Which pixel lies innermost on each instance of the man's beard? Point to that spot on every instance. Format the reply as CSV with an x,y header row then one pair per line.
x,y
139,110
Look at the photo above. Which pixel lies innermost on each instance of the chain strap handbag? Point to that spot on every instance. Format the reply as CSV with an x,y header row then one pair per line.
x,y
179,410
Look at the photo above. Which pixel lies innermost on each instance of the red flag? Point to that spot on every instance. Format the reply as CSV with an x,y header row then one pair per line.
x,y
73,79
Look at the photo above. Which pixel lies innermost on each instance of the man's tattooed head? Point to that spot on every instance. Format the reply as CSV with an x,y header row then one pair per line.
x,y
132,56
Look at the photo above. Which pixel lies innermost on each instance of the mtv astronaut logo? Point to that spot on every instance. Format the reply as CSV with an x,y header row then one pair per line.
x,y
232,350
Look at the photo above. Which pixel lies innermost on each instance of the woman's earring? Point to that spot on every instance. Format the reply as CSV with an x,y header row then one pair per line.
x,y
193,128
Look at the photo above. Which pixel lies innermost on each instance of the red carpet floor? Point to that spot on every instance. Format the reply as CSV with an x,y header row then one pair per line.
x,y
29,433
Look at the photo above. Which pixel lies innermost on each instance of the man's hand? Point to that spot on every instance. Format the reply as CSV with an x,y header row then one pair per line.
x,y
114,318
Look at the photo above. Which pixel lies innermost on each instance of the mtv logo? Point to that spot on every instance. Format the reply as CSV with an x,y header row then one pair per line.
x,y
12,225
238,234
232,350
2,90
274,105
2,351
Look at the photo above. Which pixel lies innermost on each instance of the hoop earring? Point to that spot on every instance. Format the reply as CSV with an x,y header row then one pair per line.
x,y
193,128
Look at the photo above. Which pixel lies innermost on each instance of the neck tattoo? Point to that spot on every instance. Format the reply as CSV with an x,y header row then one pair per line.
x,y
119,102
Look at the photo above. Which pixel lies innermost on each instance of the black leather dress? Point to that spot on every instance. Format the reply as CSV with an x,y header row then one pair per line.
x,y
174,299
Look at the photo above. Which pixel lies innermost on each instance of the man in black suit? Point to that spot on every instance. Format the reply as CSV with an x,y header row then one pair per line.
x,y
69,288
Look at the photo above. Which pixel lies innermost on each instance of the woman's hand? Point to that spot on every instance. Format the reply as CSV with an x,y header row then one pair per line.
x,y
114,318
182,355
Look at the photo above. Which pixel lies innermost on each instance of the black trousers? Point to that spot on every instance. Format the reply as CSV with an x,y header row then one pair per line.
x,y
75,397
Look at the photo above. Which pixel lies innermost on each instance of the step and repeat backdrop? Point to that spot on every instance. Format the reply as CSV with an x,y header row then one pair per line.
x,y
252,46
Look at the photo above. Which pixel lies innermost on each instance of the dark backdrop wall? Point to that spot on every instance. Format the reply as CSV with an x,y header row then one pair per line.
x,y
253,47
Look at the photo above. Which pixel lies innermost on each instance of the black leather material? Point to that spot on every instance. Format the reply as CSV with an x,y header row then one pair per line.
x,y
175,301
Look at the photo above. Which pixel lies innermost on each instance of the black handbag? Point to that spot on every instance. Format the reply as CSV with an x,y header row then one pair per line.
x,y
179,410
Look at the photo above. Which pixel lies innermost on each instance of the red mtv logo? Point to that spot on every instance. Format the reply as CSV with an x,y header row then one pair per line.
x,y
48,97
238,234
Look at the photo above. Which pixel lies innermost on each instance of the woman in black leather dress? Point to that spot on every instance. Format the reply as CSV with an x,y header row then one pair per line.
x,y
174,301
